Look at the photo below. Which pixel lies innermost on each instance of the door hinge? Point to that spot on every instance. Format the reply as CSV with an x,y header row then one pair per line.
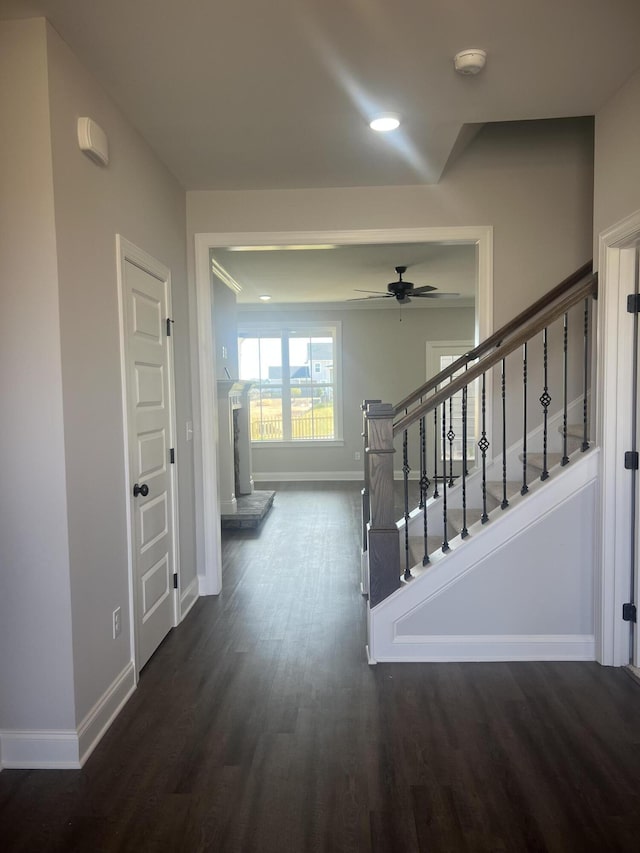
x,y
172,456
175,580
633,303
631,460
169,322
629,612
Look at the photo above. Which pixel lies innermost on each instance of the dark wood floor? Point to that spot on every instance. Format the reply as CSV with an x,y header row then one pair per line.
x,y
258,727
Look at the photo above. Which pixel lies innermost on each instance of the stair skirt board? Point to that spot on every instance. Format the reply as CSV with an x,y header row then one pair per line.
x,y
536,647
67,750
519,588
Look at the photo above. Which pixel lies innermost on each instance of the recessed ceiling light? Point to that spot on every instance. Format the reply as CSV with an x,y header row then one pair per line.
x,y
264,297
385,123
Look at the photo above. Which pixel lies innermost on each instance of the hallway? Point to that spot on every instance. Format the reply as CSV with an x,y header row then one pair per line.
x,y
258,727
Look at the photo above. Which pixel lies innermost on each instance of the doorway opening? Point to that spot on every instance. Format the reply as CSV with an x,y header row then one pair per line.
x,y
205,356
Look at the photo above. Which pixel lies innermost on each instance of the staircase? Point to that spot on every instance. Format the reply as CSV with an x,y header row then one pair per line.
x,y
486,567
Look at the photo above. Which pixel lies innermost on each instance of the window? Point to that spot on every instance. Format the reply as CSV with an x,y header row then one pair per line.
x,y
295,371
441,354
454,413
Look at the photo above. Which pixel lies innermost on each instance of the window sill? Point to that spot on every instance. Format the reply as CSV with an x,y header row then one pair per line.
x,y
301,444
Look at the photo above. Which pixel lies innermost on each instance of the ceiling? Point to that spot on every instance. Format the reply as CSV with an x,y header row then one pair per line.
x,y
256,94
334,275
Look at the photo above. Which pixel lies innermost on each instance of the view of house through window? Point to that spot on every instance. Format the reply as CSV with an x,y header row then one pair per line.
x,y
440,355
294,371
454,413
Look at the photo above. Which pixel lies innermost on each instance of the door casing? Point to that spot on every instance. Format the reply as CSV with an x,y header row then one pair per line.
x,y
613,422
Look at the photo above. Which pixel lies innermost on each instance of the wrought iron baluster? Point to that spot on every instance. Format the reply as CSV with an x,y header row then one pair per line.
x,y
464,532
565,387
483,444
545,400
505,501
406,471
525,487
424,486
436,494
585,441
464,432
423,461
445,539
451,436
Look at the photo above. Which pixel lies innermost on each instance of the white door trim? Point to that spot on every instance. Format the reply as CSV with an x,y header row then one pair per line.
x,y
203,351
613,434
126,251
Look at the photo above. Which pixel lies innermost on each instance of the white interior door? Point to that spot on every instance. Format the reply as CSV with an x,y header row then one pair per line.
x,y
635,488
147,358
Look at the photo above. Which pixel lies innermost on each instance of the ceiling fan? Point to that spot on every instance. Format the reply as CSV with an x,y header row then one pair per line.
x,y
403,291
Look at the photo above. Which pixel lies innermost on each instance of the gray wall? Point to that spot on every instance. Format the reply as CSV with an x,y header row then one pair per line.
x,y
137,197
36,673
532,181
617,165
225,324
64,549
382,358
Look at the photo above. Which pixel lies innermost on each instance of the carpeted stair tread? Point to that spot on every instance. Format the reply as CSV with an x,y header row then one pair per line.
x,y
574,431
536,460
494,489
454,518
416,548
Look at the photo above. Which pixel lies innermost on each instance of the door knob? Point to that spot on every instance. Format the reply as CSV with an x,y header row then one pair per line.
x,y
140,490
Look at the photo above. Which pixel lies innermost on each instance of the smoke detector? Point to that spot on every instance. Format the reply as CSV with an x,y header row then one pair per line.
x,y
470,61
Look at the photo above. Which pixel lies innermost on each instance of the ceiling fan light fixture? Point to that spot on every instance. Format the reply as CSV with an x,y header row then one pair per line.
x,y
385,123
264,297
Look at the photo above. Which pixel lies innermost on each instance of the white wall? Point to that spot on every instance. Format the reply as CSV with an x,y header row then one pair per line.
x,y
617,165
36,674
137,197
383,357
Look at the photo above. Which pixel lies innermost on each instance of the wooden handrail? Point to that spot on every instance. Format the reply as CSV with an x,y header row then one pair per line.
x,y
532,325
498,337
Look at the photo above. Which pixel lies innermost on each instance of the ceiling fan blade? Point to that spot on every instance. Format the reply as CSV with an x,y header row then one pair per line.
x,y
426,288
435,295
362,298
379,292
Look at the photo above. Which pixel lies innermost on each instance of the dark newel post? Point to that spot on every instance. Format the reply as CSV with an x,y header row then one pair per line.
x,y
383,535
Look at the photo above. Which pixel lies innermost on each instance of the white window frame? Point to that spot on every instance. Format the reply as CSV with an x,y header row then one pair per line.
x,y
303,329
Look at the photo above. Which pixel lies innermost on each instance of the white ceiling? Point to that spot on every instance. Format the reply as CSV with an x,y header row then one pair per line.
x,y
335,275
277,93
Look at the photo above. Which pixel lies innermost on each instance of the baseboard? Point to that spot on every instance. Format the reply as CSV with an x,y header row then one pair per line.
x,y
306,476
320,476
67,749
188,598
537,647
104,712
40,750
